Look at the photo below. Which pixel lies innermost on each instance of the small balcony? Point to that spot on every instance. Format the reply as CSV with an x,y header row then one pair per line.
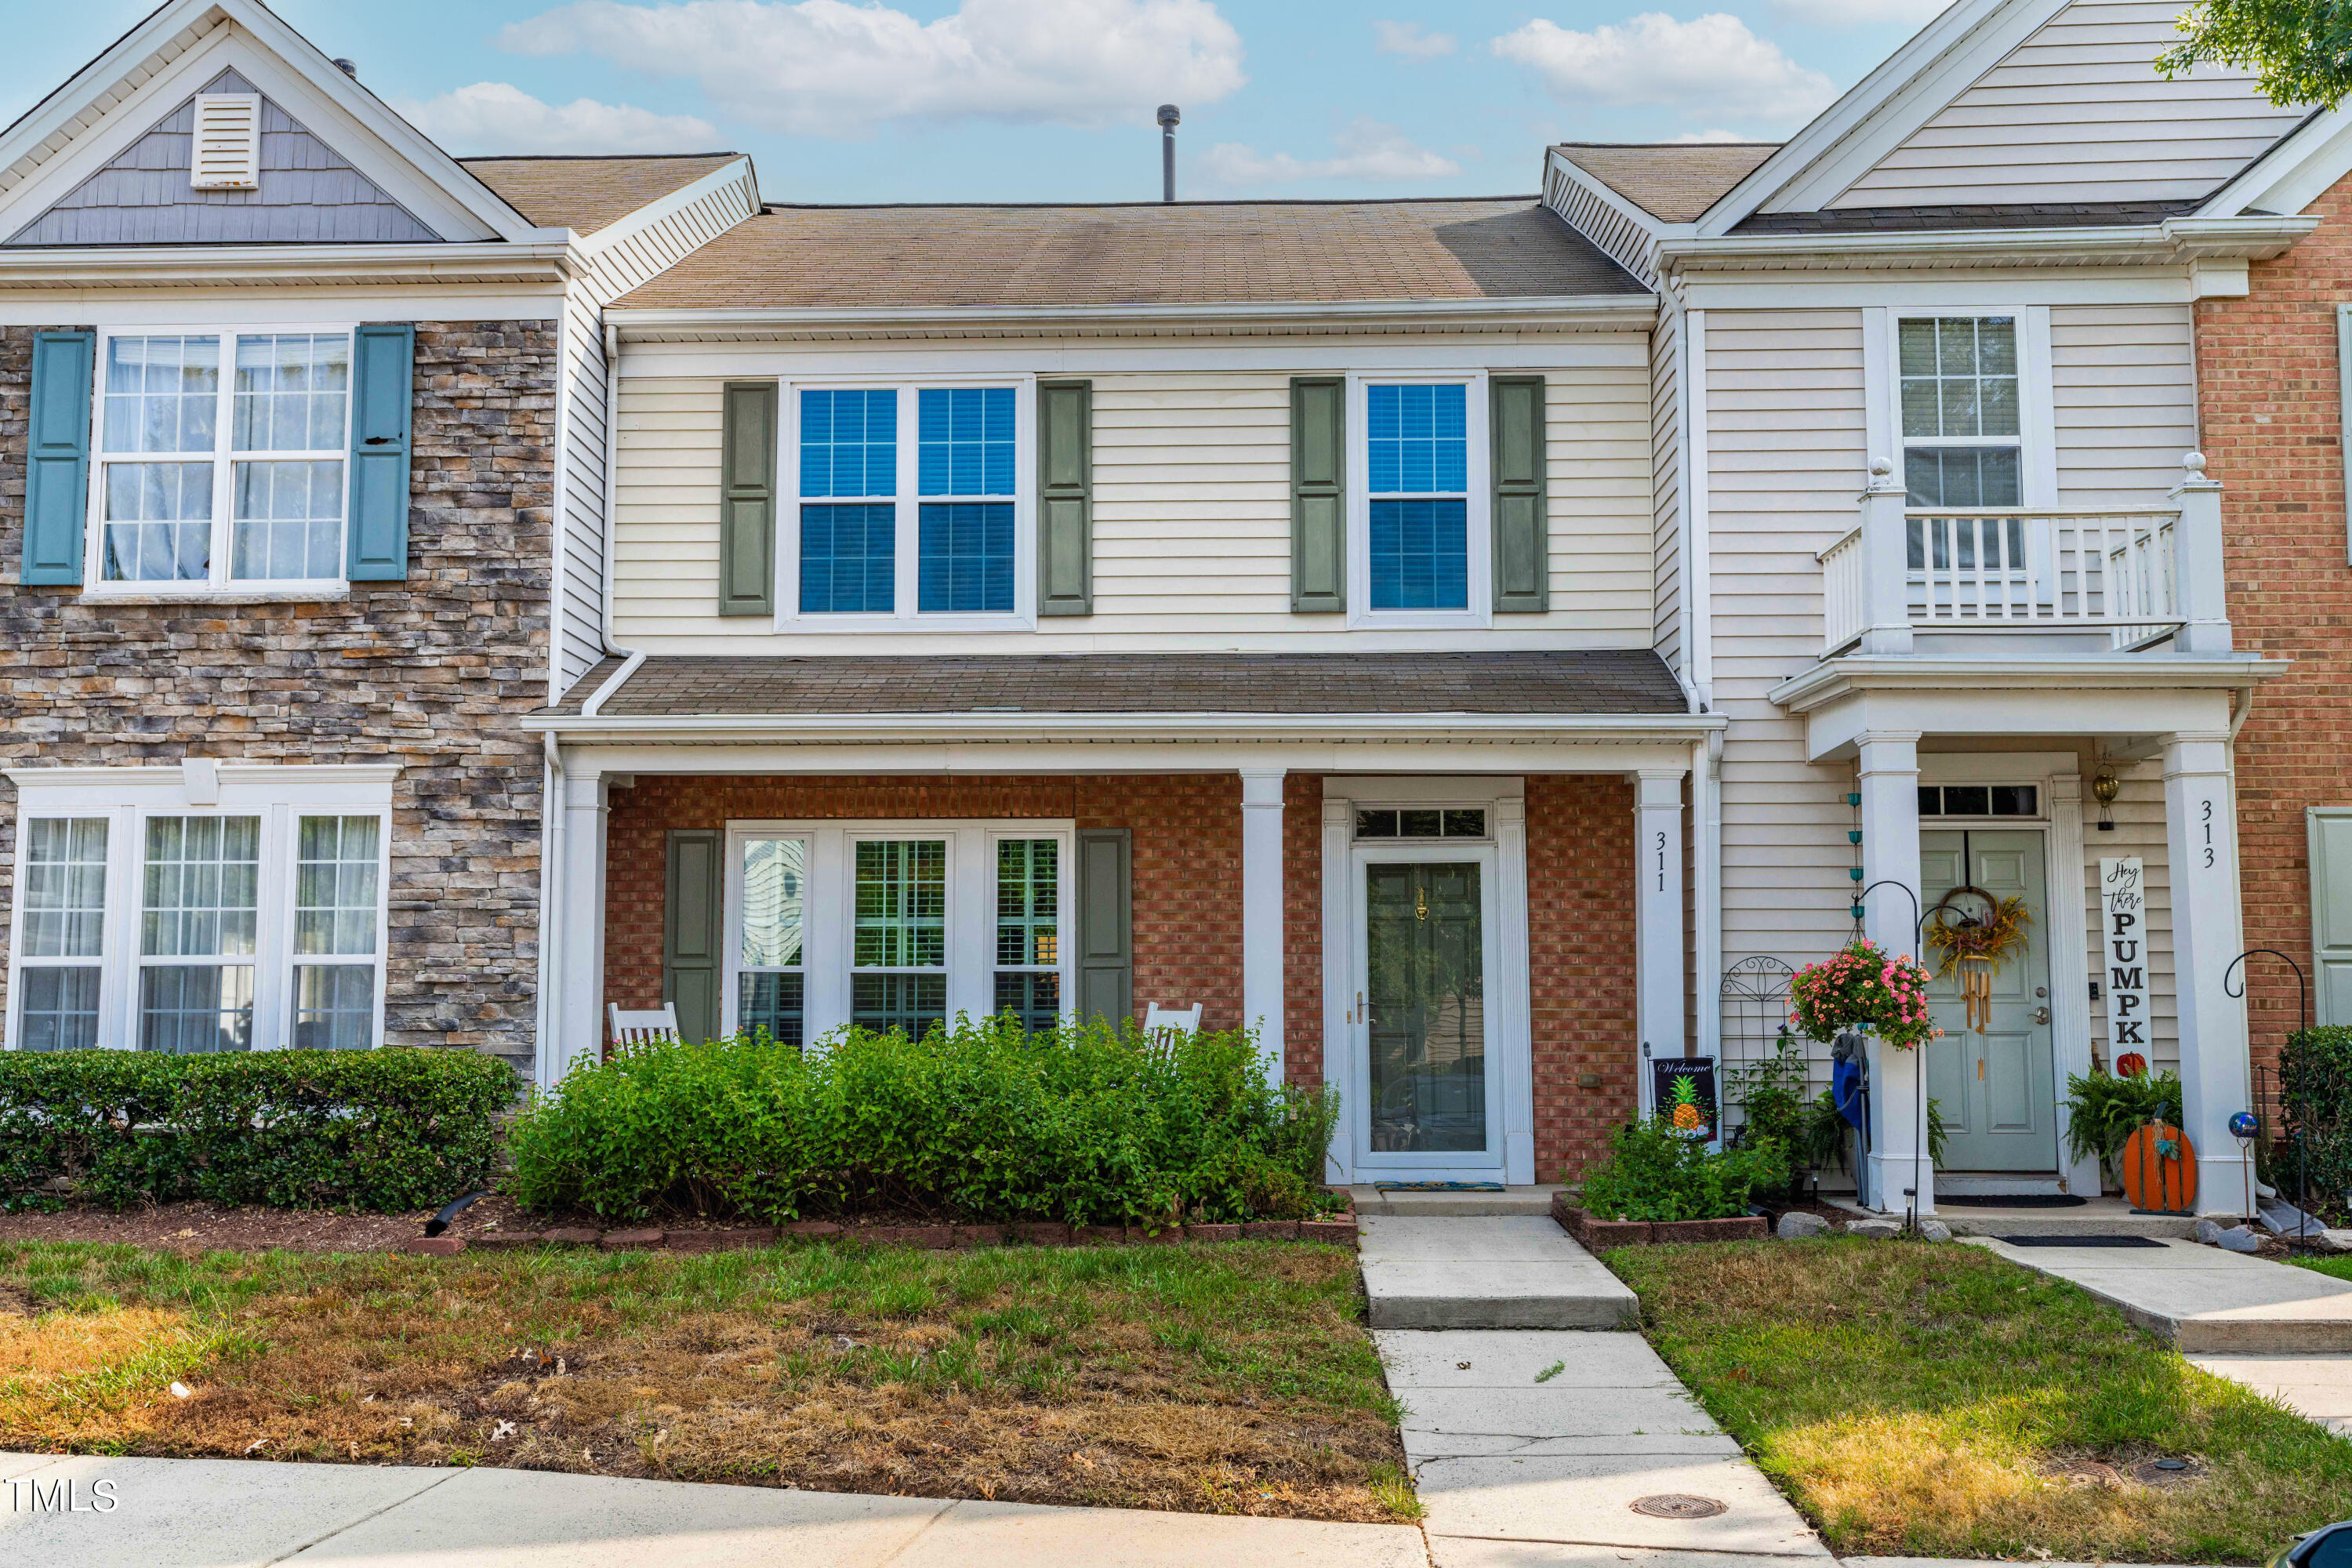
x,y
2001,581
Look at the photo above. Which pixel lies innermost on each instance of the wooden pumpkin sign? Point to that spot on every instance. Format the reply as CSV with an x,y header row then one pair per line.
x,y
2159,1169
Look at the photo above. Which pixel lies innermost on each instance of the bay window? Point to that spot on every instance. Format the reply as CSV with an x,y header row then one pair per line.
x,y
911,509
196,911
894,925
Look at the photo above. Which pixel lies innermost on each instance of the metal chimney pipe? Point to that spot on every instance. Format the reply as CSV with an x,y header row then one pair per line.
x,y
1168,117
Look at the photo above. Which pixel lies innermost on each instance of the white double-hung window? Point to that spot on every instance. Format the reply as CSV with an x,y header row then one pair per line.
x,y
895,925
1421,533
219,461
202,909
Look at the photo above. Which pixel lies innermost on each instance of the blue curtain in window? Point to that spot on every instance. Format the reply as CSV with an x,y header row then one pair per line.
x,y
965,441
965,447
849,443
1417,442
1420,554
967,557
847,559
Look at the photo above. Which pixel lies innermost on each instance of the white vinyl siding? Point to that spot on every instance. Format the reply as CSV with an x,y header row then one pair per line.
x,y
2124,395
1191,517
1784,449
2077,114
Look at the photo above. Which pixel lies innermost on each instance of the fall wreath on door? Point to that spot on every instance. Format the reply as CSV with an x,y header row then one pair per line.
x,y
1975,933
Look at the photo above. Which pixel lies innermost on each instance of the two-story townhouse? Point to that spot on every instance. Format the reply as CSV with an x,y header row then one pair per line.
x,y
301,476
1242,606
1947,560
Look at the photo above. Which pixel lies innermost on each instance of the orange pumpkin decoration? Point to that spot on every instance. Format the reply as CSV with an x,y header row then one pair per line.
x,y
2131,1064
2160,1169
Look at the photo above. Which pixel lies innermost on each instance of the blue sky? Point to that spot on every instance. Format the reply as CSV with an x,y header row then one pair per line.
x,y
1052,100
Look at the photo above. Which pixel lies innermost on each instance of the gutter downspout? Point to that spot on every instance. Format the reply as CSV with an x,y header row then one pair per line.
x,y
551,905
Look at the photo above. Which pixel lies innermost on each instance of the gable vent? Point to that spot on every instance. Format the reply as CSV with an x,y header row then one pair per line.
x,y
228,143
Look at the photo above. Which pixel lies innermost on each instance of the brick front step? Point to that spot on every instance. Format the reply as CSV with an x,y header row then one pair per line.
x,y
1596,1234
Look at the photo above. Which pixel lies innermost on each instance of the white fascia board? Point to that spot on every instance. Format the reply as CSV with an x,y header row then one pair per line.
x,y
286,68
1115,727
591,757
284,266
1834,678
2176,241
1608,312
738,173
1884,109
2299,168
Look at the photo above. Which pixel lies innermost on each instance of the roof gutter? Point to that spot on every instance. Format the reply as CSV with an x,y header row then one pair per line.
x,y
2176,240
1604,312
1122,726
90,267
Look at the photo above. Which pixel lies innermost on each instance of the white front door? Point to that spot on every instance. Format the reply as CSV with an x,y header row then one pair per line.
x,y
1423,1100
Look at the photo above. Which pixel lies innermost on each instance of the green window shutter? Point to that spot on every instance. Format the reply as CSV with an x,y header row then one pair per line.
x,y
1106,922
1066,498
1522,535
747,517
383,373
57,471
690,933
2330,828
1318,494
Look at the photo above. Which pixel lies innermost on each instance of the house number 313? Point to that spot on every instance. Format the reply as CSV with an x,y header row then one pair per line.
x,y
2206,816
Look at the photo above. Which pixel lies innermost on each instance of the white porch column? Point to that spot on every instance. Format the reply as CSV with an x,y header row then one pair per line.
x,y
2198,568
1658,918
578,1015
1885,563
1261,908
1890,853
2201,847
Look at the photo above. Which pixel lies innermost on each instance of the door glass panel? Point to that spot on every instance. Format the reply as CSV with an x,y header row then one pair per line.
x,y
1425,1007
772,989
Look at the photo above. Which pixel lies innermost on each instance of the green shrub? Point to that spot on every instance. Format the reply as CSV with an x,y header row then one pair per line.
x,y
1653,1174
1770,1094
2316,1097
980,1121
2102,1110
390,1129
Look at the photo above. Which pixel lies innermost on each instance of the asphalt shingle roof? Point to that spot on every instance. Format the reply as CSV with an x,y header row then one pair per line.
x,y
1673,181
1583,681
585,194
1149,253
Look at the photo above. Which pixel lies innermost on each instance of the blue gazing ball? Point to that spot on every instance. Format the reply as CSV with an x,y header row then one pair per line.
x,y
2244,1125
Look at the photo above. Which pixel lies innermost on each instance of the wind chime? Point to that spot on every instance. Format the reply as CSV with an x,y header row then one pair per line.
x,y
1975,944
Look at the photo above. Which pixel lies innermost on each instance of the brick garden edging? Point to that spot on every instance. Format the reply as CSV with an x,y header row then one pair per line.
x,y
1340,1232
1596,1234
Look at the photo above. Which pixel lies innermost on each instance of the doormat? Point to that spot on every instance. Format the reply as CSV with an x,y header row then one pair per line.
x,y
2082,1241
1437,1186
2010,1201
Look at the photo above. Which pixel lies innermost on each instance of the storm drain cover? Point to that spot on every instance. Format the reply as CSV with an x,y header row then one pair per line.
x,y
1680,1505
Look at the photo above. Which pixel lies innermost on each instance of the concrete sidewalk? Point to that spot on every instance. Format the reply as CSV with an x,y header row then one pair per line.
x,y
2203,1300
1515,1271
229,1514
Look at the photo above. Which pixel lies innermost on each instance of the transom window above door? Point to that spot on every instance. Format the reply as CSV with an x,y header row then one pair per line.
x,y
221,460
910,506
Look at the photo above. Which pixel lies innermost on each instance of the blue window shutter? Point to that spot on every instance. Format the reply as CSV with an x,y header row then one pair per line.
x,y
383,371
57,475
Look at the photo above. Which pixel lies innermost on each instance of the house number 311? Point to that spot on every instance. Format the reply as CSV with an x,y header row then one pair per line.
x,y
1662,862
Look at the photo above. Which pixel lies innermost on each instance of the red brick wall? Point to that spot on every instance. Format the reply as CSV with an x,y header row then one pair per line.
x,y
2268,408
1188,861
1302,927
1581,855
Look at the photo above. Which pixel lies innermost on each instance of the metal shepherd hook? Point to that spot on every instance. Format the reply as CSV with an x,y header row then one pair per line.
x,y
1919,1110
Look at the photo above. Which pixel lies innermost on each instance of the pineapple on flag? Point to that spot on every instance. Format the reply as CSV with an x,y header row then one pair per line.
x,y
1682,1091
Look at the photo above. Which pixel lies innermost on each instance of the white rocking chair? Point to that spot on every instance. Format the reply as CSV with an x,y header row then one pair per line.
x,y
1179,1020
643,1028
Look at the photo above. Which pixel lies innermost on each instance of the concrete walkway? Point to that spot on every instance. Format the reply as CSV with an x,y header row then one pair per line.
x,y
2202,1300
1504,1271
2317,1387
229,1514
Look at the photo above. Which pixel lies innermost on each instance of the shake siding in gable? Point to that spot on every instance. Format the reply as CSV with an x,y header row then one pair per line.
x,y
1785,461
631,257
2077,114
2123,384
1666,485
1192,515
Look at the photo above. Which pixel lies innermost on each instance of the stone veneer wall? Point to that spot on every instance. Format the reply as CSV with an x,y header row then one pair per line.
x,y
424,673
1187,905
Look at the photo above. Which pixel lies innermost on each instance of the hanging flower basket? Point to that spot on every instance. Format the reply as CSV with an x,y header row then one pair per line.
x,y
1862,988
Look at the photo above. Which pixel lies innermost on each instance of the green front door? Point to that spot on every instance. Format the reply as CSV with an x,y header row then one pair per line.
x,y
1424,1008
1995,1090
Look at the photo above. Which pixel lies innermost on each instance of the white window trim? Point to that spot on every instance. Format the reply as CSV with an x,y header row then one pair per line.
x,y
908,538
219,586
127,797
2037,436
1480,611
828,902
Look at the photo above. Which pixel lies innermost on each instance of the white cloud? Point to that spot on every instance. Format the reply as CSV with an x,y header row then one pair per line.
x,y
1409,39
493,117
1860,12
1368,150
825,67
1711,65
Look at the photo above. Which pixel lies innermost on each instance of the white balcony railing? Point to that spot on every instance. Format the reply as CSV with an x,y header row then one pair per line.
x,y
2116,571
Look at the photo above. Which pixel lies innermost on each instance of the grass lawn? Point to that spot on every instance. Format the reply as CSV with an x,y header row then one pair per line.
x,y
1937,1401
2339,1266
1233,1379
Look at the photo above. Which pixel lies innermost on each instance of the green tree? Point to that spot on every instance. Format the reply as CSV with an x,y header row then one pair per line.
x,y
2300,50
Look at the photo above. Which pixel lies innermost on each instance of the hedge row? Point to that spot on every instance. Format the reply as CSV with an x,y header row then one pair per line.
x,y
2315,1074
390,1129
977,1122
